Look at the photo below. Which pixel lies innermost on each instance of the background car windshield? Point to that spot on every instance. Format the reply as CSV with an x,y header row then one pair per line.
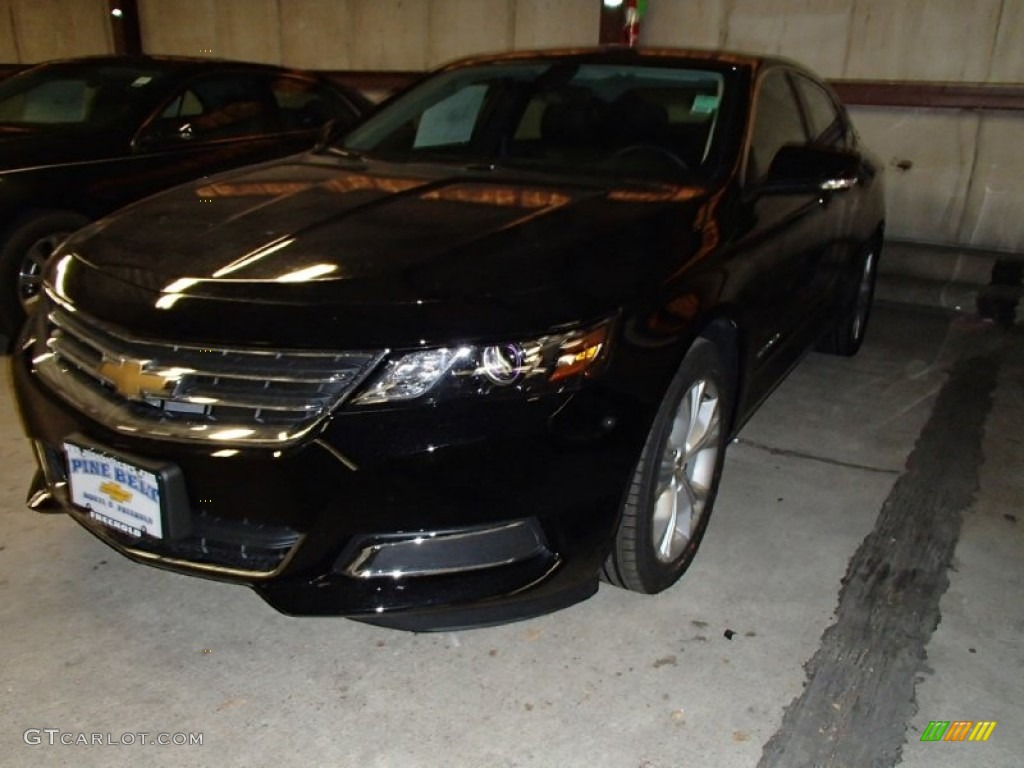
x,y
632,120
75,97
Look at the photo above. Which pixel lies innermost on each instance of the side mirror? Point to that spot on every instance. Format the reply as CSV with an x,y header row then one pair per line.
x,y
325,135
802,169
164,135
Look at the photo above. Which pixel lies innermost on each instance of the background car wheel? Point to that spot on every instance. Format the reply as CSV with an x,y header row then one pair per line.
x,y
26,248
845,339
673,489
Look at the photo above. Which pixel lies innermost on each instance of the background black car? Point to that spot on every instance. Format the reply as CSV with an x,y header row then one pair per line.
x,y
80,138
490,345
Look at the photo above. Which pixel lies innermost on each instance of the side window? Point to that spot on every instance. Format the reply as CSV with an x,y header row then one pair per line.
x,y
777,122
219,107
184,105
826,123
58,101
305,105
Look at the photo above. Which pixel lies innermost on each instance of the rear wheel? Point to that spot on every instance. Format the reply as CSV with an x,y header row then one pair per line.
x,y
848,335
673,489
26,249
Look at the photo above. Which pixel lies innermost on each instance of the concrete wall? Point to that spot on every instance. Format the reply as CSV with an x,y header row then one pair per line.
x,y
964,185
362,34
977,41
36,30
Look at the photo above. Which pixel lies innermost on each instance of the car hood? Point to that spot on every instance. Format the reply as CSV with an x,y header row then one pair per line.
x,y
316,250
22,148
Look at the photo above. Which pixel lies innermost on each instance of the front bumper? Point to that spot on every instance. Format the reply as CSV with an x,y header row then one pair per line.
x,y
417,517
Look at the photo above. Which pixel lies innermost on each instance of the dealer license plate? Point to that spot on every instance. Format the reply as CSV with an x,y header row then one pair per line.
x,y
116,493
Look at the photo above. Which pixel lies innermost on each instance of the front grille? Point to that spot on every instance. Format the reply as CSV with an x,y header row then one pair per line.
x,y
191,393
239,545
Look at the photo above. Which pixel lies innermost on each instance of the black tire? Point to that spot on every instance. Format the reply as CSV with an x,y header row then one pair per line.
x,y
650,551
846,337
23,253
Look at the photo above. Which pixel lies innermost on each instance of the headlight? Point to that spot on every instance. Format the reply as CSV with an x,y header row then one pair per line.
x,y
545,364
410,375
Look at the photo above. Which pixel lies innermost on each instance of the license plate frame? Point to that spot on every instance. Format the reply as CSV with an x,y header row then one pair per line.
x,y
135,496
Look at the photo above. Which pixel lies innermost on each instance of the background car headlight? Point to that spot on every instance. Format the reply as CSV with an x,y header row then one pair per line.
x,y
548,363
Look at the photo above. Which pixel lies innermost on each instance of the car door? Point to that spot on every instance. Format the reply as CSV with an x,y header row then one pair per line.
x,y
829,127
783,237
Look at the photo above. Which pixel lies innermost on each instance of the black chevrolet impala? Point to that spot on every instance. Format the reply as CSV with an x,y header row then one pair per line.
x,y
457,365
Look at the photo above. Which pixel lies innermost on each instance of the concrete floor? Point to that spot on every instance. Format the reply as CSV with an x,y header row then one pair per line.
x,y
93,643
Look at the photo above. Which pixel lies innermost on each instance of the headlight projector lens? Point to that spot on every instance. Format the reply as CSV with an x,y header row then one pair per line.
x,y
502,364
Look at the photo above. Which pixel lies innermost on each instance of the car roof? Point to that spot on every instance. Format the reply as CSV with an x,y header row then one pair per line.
x,y
176,71
173,65
616,54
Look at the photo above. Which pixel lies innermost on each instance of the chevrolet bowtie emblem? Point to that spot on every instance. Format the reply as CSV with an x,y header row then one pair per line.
x,y
116,492
130,380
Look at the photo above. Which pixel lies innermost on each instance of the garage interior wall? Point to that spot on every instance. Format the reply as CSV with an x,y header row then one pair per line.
x,y
36,30
953,174
363,34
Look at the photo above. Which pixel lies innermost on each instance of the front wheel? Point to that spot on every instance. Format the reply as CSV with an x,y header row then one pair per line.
x,y
670,498
23,254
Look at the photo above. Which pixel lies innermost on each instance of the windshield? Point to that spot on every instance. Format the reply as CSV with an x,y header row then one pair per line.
x,y
636,120
77,96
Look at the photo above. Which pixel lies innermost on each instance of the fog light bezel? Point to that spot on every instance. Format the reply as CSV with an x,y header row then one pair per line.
x,y
418,554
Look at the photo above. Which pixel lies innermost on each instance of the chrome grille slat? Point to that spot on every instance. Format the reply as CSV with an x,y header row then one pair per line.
x,y
266,374
75,353
188,393
64,321
204,397
256,365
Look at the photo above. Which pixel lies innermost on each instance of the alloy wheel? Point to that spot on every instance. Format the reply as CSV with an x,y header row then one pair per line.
x,y
686,471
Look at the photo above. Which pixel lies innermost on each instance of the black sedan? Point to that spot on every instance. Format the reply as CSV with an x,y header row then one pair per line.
x,y
485,349
81,138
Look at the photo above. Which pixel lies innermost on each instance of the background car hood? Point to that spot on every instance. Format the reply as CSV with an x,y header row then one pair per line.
x,y
398,252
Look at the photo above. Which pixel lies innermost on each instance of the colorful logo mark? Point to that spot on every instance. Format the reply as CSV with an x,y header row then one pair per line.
x,y
131,380
116,492
958,730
